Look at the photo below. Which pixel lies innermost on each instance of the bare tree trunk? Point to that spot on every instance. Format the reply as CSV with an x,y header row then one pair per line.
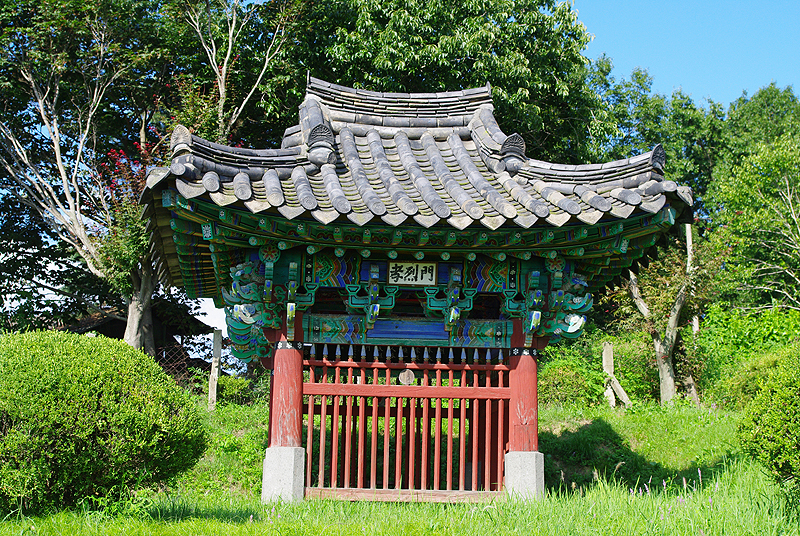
x,y
148,335
139,328
666,372
143,130
219,42
663,347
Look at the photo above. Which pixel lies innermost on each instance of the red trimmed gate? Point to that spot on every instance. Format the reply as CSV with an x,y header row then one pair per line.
x,y
430,426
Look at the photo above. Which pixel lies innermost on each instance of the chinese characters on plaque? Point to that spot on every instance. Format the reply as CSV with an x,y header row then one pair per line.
x,y
412,273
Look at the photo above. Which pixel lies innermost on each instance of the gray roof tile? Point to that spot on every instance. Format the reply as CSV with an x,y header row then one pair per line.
x,y
428,156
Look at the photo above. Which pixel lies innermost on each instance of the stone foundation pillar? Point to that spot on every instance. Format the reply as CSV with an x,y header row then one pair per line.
x,y
284,474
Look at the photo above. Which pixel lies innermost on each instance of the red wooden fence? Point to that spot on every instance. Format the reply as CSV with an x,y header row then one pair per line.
x,y
440,436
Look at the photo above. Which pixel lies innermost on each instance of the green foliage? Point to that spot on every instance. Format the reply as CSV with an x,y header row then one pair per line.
x,y
123,246
31,260
730,336
738,388
568,375
571,372
691,135
770,429
634,363
234,390
233,462
530,51
757,203
565,381
769,114
231,388
84,417
197,108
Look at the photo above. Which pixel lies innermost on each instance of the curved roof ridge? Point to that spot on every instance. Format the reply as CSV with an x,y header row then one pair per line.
x,y
589,173
649,157
344,99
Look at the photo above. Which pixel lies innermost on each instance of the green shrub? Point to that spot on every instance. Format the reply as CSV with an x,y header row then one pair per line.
x,y
84,417
730,338
233,390
770,427
737,388
572,371
569,381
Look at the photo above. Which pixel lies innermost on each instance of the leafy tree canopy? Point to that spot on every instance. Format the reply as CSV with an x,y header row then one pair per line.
x,y
758,208
530,51
691,135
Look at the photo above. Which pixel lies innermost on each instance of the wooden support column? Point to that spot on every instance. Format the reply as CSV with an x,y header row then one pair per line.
x,y
524,403
523,463
286,417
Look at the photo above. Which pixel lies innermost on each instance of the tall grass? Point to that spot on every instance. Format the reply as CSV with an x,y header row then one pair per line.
x,y
737,501
648,471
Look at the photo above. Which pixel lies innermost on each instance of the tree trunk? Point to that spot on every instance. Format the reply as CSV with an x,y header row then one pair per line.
x,y
663,347
666,372
139,328
148,336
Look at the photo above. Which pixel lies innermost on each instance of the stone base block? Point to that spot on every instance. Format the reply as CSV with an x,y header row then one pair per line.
x,y
284,474
524,478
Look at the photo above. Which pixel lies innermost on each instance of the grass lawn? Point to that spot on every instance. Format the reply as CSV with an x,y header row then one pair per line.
x,y
645,471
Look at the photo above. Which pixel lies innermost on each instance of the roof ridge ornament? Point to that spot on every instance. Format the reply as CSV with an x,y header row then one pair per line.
x,y
180,136
317,132
658,157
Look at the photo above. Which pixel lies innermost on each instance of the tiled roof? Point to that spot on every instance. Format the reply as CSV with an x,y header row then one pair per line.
x,y
412,159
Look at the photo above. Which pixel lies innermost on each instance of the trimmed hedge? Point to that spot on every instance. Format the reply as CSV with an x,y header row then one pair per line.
x,y
87,417
770,428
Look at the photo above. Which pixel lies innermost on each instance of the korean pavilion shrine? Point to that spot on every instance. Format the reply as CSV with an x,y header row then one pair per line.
x,y
398,264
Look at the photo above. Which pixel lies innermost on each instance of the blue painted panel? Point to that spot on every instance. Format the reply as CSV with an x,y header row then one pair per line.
x,y
383,268
444,271
408,329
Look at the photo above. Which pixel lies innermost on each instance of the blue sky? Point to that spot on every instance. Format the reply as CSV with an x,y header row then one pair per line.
x,y
712,49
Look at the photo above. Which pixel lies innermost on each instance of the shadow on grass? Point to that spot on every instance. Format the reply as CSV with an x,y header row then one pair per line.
x,y
574,459
177,508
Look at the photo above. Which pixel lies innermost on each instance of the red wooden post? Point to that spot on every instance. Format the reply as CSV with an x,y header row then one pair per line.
x,y
524,406
286,420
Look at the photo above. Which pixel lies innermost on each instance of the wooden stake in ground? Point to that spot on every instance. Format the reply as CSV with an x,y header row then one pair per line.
x,y
608,368
214,376
612,384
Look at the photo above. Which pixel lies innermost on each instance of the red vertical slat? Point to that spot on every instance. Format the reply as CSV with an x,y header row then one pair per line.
x,y
310,431
398,454
323,427
387,403
362,429
487,446
412,443
450,403
373,453
348,434
473,432
487,432
335,432
462,436
425,435
437,437
500,433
